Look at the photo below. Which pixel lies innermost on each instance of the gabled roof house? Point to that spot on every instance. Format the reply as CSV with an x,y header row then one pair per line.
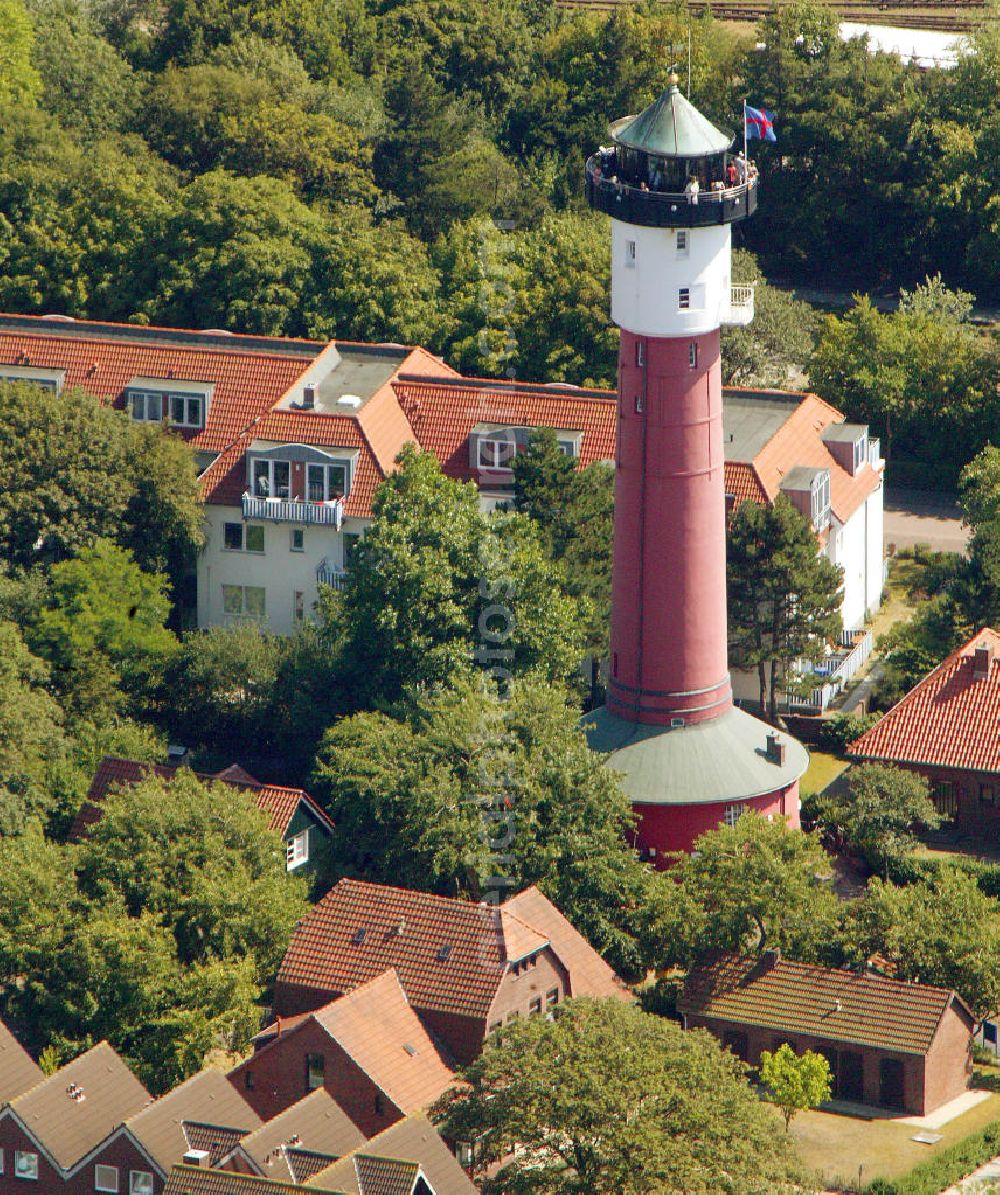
x,y
466,968
303,826
906,1046
947,728
367,1048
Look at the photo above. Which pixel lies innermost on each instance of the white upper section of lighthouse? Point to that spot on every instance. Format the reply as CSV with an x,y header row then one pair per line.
x,y
675,282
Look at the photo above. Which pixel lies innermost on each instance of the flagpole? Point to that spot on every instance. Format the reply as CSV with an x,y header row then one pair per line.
x,y
744,127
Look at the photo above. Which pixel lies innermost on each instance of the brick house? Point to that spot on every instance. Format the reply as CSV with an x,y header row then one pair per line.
x,y
368,1049
303,826
947,728
51,1133
158,1137
408,1153
296,1144
466,968
892,1044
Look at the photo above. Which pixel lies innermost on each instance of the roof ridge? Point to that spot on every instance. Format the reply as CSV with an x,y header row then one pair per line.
x,y
510,385
413,893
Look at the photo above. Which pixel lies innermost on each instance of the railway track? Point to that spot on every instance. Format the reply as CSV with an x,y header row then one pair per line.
x,y
944,16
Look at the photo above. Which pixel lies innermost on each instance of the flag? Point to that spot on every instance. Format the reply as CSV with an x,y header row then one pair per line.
x,y
759,124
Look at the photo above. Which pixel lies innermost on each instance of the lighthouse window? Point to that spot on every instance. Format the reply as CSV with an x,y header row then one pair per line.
x,y
682,242
640,352
630,253
693,355
684,299
732,815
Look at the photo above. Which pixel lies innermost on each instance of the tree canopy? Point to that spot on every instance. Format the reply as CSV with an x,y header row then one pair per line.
x,y
674,1114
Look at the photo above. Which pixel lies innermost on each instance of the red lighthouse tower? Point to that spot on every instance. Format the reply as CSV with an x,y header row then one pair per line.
x,y
689,758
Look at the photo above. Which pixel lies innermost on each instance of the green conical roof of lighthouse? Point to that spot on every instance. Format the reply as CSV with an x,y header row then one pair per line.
x,y
671,127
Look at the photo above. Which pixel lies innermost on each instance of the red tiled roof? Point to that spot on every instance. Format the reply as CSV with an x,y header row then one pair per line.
x,y
951,719
743,483
279,802
247,381
799,442
359,930
443,411
843,1006
450,954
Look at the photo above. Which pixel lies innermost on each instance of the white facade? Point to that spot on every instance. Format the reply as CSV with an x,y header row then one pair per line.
x,y
274,577
674,282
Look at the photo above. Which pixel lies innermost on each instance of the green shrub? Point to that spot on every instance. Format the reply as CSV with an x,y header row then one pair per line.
x,y
952,1164
842,729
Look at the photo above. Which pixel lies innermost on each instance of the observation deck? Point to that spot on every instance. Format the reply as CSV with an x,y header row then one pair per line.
x,y
642,205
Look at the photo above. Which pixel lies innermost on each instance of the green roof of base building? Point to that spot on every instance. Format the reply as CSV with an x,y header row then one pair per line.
x,y
723,759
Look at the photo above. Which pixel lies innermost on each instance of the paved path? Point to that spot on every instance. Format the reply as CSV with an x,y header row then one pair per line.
x,y
922,517
986,1178
861,693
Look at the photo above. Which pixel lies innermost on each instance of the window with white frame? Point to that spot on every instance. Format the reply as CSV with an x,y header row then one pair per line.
x,y
232,537
140,1182
25,1164
821,500
297,850
105,1178
682,242
324,483
684,299
237,538
860,451
568,447
254,540
496,452
271,479
187,410
146,406
732,814
244,601
630,253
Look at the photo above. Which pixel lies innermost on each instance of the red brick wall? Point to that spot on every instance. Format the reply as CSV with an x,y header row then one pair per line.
x,y
516,992
974,815
13,1138
769,1039
948,1069
290,999
121,1153
279,1079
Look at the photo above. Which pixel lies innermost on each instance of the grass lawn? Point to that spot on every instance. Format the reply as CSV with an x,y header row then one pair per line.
x,y
824,768
835,1146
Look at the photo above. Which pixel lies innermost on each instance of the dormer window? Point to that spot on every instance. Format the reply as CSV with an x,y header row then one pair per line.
x,y
569,447
860,451
325,483
821,501
271,479
183,404
808,489
187,410
29,375
497,453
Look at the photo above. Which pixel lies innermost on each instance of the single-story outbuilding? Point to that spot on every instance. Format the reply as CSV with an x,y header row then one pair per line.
x,y
892,1044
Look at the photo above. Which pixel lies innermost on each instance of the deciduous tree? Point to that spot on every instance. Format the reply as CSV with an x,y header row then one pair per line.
x,y
673,1113
795,1081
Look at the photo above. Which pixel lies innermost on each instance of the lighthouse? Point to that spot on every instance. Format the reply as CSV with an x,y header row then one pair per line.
x,y
688,757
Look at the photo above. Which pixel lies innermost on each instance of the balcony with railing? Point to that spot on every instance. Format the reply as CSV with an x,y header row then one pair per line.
x,y
668,209
740,311
329,574
294,510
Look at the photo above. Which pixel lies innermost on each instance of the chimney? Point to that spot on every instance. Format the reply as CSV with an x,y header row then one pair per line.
x,y
982,659
775,749
309,396
197,1157
770,958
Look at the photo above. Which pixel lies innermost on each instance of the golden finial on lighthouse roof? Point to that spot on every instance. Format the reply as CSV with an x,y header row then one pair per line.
x,y
673,79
